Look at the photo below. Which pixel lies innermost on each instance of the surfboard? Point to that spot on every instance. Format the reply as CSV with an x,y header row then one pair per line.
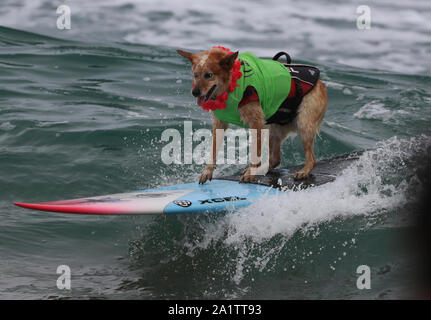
x,y
219,195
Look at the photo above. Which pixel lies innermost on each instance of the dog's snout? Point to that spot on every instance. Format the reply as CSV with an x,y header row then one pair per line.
x,y
196,92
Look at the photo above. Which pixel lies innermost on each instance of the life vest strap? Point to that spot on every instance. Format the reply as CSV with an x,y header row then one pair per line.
x,y
282,53
304,78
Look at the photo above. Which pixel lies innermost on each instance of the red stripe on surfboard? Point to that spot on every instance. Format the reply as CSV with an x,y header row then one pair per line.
x,y
72,209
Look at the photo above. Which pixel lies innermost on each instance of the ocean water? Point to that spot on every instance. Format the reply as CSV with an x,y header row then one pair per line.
x,y
82,112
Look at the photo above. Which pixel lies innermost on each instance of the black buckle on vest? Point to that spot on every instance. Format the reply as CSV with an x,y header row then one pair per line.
x,y
282,53
289,108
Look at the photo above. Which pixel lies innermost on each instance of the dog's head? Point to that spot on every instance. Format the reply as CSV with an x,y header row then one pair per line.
x,y
212,71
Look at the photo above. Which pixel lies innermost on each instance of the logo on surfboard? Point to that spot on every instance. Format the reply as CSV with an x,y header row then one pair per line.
x,y
225,199
183,203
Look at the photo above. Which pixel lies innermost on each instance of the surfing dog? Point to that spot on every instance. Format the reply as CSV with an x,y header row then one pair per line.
x,y
263,103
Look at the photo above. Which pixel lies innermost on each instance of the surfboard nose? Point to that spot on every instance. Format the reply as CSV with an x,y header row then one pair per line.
x,y
34,206
20,204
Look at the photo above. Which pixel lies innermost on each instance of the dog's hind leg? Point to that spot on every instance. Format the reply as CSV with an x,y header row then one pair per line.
x,y
310,116
274,149
307,138
277,134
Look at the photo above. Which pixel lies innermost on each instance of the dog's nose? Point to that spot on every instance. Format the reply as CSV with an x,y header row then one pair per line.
x,y
196,92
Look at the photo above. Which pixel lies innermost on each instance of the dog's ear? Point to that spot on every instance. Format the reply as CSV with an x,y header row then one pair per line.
x,y
228,61
188,55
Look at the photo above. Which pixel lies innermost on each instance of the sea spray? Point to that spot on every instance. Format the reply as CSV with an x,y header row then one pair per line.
x,y
255,236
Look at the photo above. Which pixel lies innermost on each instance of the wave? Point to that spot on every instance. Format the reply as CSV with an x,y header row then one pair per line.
x,y
266,237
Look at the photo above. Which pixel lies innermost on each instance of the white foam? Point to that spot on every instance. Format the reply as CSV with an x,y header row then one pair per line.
x,y
43,124
376,110
373,110
7,126
397,41
347,91
337,125
370,186
136,115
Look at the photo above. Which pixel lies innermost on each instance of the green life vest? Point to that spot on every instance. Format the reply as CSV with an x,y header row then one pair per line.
x,y
270,78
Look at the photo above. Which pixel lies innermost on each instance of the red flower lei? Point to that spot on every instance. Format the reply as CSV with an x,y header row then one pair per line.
x,y
220,101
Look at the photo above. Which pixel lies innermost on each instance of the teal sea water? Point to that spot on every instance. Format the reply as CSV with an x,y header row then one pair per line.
x,y
82,112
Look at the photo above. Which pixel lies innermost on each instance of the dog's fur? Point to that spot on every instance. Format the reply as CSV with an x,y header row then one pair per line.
x,y
218,64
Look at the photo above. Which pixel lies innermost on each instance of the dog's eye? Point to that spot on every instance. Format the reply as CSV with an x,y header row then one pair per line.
x,y
195,74
208,75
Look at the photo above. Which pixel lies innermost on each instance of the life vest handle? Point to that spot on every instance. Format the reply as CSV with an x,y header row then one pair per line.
x,y
282,53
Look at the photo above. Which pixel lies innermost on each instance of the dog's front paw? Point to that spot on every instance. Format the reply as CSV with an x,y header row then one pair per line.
x,y
206,175
247,175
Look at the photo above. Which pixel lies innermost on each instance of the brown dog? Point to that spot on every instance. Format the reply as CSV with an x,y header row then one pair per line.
x,y
212,72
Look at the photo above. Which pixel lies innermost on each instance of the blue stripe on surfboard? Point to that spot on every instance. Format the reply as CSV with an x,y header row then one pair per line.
x,y
214,196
